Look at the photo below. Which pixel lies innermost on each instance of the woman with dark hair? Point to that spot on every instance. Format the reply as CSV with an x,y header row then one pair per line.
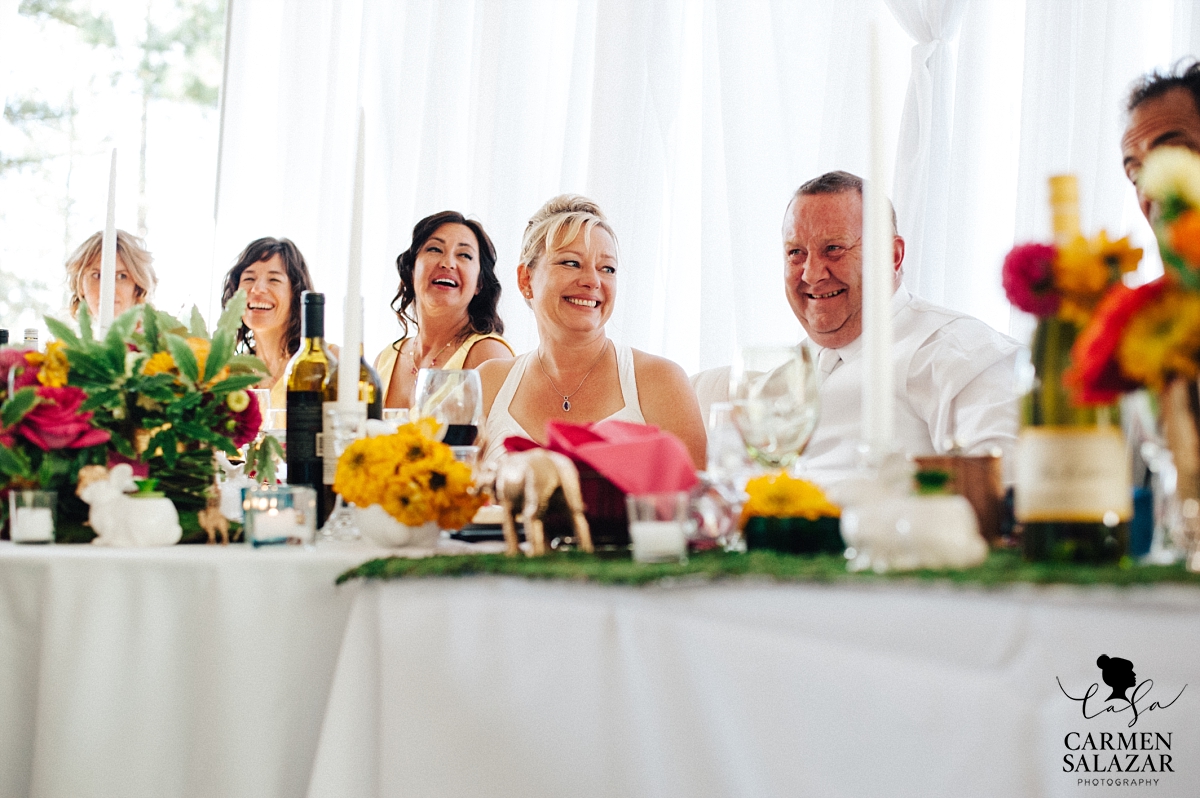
x,y
273,273
448,292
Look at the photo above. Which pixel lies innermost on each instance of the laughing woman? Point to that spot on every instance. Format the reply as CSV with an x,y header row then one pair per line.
x,y
273,273
448,292
568,275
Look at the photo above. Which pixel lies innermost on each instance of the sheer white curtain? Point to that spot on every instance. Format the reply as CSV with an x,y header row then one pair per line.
x,y
921,190
690,122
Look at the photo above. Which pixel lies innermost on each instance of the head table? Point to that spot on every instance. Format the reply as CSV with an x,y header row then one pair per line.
x,y
201,671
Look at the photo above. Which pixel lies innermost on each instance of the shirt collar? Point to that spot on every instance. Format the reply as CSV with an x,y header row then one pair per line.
x,y
851,351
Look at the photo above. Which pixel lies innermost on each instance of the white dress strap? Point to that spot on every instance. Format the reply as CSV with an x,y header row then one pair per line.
x,y
632,411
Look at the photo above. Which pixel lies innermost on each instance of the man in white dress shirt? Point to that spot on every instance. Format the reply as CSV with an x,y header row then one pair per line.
x,y
954,375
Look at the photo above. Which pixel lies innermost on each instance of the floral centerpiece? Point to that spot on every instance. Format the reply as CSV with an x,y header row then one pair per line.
x,y
790,515
1062,286
1149,336
167,394
411,475
46,435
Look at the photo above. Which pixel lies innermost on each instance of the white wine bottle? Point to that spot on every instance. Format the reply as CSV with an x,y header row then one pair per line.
x,y
308,387
1072,497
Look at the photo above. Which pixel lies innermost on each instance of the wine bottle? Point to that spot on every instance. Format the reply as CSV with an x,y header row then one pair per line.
x,y
31,338
308,384
1073,497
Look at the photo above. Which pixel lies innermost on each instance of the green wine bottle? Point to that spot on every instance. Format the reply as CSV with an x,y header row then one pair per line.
x,y
1073,497
308,383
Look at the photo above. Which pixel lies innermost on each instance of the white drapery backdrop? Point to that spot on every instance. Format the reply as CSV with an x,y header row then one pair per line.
x,y
690,122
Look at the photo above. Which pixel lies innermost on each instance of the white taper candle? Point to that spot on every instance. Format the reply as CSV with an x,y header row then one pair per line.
x,y
353,331
878,276
108,252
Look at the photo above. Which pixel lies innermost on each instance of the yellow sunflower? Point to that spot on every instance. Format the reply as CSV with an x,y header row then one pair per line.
x,y
783,496
1084,270
1162,340
159,363
54,366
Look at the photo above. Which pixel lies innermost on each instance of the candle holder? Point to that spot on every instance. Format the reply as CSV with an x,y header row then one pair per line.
x,y
31,515
659,526
279,514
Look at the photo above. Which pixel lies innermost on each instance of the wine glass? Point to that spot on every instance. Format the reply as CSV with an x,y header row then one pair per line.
x,y
773,390
455,398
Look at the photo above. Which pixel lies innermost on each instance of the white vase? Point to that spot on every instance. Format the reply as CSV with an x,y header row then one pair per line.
x,y
379,527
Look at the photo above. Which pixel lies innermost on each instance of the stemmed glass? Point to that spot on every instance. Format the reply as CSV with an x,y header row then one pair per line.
x,y
455,398
775,401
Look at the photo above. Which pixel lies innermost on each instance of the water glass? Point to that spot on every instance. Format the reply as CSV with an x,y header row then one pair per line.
x,y
659,526
279,514
774,393
31,515
455,398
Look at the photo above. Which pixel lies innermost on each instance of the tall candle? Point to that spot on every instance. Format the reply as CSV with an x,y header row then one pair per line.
x,y
878,276
352,333
108,251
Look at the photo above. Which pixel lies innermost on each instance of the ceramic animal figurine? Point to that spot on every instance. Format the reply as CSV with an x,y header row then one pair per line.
x,y
212,520
231,488
120,520
526,481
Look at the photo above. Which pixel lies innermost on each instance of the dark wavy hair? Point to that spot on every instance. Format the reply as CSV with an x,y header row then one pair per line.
x,y
481,311
1184,75
297,271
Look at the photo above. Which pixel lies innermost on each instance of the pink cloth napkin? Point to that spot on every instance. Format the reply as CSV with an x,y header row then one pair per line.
x,y
636,458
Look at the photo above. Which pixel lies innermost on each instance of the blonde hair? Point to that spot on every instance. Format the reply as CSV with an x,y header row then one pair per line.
x,y
132,252
559,221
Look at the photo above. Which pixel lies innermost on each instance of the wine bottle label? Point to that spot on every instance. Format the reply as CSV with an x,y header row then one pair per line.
x,y
1072,474
333,440
303,424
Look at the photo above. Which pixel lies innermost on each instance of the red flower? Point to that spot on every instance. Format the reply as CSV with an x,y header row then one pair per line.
x,y
56,422
1095,377
1028,279
247,423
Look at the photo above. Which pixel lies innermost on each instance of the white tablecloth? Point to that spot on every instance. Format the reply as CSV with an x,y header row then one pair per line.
x,y
187,671
501,687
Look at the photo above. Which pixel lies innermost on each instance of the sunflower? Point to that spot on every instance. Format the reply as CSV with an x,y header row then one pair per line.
x,y
1162,340
1085,268
783,496
55,367
158,363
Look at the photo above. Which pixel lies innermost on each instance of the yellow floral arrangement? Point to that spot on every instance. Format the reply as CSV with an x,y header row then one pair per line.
x,y
411,475
782,496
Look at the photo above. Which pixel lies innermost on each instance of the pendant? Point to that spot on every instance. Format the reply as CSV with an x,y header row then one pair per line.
x,y
567,405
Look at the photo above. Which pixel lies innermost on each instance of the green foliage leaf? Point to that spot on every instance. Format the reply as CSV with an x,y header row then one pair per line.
x,y
196,324
150,326
14,463
219,354
250,363
238,382
231,317
62,331
184,359
18,405
169,324
85,322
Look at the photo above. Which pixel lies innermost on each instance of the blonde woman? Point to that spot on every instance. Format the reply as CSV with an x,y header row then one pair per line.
x,y
568,276
135,277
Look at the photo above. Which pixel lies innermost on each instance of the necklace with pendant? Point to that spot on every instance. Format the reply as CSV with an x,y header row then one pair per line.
x,y
566,405
412,354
